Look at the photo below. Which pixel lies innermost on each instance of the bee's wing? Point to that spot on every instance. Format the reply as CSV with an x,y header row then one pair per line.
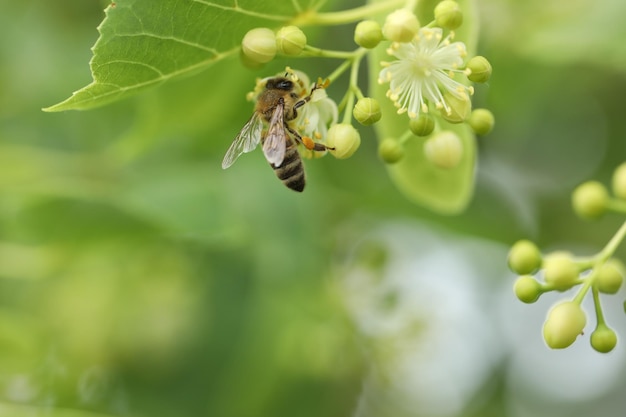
x,y
246,140
276,139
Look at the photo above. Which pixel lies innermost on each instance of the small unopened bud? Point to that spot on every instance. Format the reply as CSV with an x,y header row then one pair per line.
x,y
390,150
560,270
344,138
259,45
423,125
367,111
290,40
610,276
619,181
603,339
368,34
524,257
444,149
590,200
481,121
459,109
480,69
527,289
401,26
564,323
448,14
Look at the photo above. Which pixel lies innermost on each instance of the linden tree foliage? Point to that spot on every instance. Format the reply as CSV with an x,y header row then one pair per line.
x,y
144,43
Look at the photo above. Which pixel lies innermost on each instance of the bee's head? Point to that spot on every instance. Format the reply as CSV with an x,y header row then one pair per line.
x,y
279,83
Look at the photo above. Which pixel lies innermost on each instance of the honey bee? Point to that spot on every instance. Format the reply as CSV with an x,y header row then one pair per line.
x,y
277,105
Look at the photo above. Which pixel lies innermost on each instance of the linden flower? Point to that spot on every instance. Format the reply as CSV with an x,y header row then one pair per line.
x,y
315,117
424,70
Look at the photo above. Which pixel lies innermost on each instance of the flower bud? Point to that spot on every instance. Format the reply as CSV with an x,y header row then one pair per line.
x,y
448,15
290,40
401,26
560,270
390,150
564,323
524,257
479,69
344,138
590,200
368,34
444,149
423,125
527,289
367,111
610,276
459,109
603,339
481,121
619,181
259,45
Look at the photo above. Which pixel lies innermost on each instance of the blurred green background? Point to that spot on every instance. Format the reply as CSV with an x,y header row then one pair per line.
x,y
137,278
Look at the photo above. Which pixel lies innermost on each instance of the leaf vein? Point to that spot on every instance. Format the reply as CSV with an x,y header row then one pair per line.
x,y
131,62
171,38
237,9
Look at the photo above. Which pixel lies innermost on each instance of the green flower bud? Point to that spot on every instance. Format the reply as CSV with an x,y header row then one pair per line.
x,y
401,26
590,200
367,111
290,40
444,149
527,289
259,45
344,138
459,108
560,270
390,150
524,257
479,69
619,181
564,323
368,34
481,121
423,125
603,339
610,276
448,15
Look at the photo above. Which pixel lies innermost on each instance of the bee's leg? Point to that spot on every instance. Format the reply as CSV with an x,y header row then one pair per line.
x,y
306,99
308,143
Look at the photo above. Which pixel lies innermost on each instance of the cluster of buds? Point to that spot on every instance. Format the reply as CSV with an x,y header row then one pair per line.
x,y
429,80
561,271
260,45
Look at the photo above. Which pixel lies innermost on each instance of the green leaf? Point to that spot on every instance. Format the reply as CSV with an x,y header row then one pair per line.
x,y
146,42
446,191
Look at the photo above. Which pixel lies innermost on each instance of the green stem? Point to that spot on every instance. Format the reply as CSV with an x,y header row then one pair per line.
x,y
611,247
597,305
617,205
312,17
324,53
599,259
340,70
406,136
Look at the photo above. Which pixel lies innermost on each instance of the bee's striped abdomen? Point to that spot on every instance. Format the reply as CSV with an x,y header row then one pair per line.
x,y
291,171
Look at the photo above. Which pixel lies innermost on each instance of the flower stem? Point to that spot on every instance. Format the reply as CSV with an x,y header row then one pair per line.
x,y
312,17
611,247
325,53
599,259
597,305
